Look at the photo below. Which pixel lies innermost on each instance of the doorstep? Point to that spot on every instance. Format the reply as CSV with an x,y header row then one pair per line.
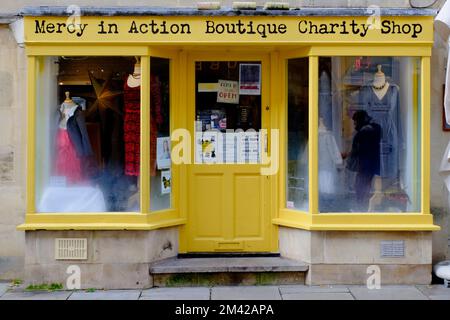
x,y
227,271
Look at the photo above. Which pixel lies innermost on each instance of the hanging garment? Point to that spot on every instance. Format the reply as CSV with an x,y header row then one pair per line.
x,y
67,162
385,112
132,125
131,128
76,128
329,160
325,111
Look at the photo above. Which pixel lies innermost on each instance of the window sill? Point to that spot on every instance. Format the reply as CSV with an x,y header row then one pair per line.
x,y
101,221
356,222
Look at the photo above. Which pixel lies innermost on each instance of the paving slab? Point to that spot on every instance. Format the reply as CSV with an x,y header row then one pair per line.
x,y
36,295
176,294
198,265
302,289
245,293
4,286
435,292
317,296
106,295
387,293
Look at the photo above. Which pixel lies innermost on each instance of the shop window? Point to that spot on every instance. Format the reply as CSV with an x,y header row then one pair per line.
x,y
297,123
369,134
228,112
87,134
160,161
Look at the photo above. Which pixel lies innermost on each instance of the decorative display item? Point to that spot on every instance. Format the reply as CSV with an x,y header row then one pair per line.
x,y
105,96
166,181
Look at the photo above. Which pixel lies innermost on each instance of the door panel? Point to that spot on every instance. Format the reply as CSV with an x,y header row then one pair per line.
x,y
208,202
248,206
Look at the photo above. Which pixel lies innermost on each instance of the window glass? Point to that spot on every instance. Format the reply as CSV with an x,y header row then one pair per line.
x,y
369,146
87,134
160,161
228,112
297,122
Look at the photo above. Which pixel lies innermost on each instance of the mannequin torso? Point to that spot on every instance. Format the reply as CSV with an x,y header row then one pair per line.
x,y
67,110
134,79
380,86
380,93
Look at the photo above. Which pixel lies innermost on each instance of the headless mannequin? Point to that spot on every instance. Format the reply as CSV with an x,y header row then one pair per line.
x,y
133,81
380,86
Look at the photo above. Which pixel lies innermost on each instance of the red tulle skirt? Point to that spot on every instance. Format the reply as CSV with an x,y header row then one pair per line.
x,y
67,162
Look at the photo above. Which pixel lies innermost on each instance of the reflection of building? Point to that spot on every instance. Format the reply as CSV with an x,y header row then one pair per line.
x,y
211,204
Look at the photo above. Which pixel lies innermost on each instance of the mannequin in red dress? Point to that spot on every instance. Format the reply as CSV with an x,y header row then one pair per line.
x,y
132,108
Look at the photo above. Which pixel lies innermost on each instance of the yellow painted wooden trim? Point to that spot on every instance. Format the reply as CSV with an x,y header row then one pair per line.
x,y
416,127
101,221
365,223
145,135
182,122
100,226
313,132
281,115
31,134
298,52
98,49
425,134
83,218
274,90
376,49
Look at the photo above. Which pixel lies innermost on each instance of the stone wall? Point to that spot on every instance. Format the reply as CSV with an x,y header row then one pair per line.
x,y
341,257
116,259
12,153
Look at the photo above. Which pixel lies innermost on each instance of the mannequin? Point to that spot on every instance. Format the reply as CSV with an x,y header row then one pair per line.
x,y
134,79
380,86
330,160
72,141
132,93
382,103
67,110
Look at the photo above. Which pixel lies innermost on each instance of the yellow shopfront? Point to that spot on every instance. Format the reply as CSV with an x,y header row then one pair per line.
x,y
259,115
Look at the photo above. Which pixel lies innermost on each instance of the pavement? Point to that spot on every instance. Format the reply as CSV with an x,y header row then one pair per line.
x,y
281,292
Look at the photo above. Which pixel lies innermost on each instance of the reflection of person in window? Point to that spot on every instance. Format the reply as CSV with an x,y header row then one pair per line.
x,y
364,156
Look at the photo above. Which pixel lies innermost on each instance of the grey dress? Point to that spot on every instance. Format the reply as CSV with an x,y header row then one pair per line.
x,y
386,113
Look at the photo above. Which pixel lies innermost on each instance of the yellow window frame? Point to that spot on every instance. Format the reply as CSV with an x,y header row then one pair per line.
x,y
143,220
312,220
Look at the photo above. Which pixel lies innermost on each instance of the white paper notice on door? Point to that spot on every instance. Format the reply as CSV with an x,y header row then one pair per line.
x,y
228,92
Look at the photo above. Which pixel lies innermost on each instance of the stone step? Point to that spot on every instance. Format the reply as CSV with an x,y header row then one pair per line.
x,y
227,271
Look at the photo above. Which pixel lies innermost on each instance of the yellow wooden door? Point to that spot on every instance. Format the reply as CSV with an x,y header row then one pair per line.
x,y
228,203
